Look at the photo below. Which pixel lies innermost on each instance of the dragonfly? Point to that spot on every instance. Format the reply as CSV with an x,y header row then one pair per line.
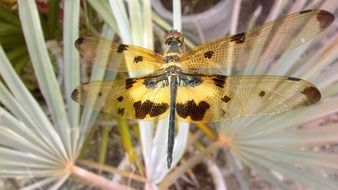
x,y
178,86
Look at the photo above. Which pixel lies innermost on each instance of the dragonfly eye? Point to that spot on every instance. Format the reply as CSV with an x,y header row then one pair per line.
x,y
174,37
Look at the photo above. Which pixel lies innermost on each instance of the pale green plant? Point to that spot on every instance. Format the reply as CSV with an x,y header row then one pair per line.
x,y
274,147
35,146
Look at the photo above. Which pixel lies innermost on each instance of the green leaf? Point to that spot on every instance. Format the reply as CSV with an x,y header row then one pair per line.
x,y
71,58
43,69
29,107
102,8
307,178
9,16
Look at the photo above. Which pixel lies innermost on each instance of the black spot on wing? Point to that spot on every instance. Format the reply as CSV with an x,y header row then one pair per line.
x,y
325,19
312,94
75,94
261,94
120,111
238,38
79,41
219,80
190,108
78,44
222,112
225,98
130,82
149,107
208,54
121,48
120,98
138,59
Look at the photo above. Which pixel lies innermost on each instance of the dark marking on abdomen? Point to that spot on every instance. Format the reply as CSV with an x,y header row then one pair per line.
x,y
219,80
190,108
149,107
312,94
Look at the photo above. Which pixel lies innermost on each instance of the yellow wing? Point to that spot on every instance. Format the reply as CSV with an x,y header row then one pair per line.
x,y
215,98
270,40
220,97
133,98
117,57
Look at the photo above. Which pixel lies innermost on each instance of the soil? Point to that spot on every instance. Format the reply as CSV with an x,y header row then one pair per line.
x,y
201,175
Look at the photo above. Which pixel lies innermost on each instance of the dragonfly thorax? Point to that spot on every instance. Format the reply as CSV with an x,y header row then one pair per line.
x,y
174,41
171,57
183,78
173,69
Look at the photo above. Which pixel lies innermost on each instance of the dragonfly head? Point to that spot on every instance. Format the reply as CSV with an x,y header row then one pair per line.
x,y
173,38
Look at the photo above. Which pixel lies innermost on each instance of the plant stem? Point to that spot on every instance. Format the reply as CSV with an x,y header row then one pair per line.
x,y
103,144
177,25
112,170
96,180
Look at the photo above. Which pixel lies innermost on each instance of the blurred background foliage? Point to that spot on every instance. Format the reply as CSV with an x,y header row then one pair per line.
x,y
108,147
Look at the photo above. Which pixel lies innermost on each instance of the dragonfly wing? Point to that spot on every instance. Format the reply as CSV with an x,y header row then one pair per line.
x,y
117,57
219,97
270,39
133,98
